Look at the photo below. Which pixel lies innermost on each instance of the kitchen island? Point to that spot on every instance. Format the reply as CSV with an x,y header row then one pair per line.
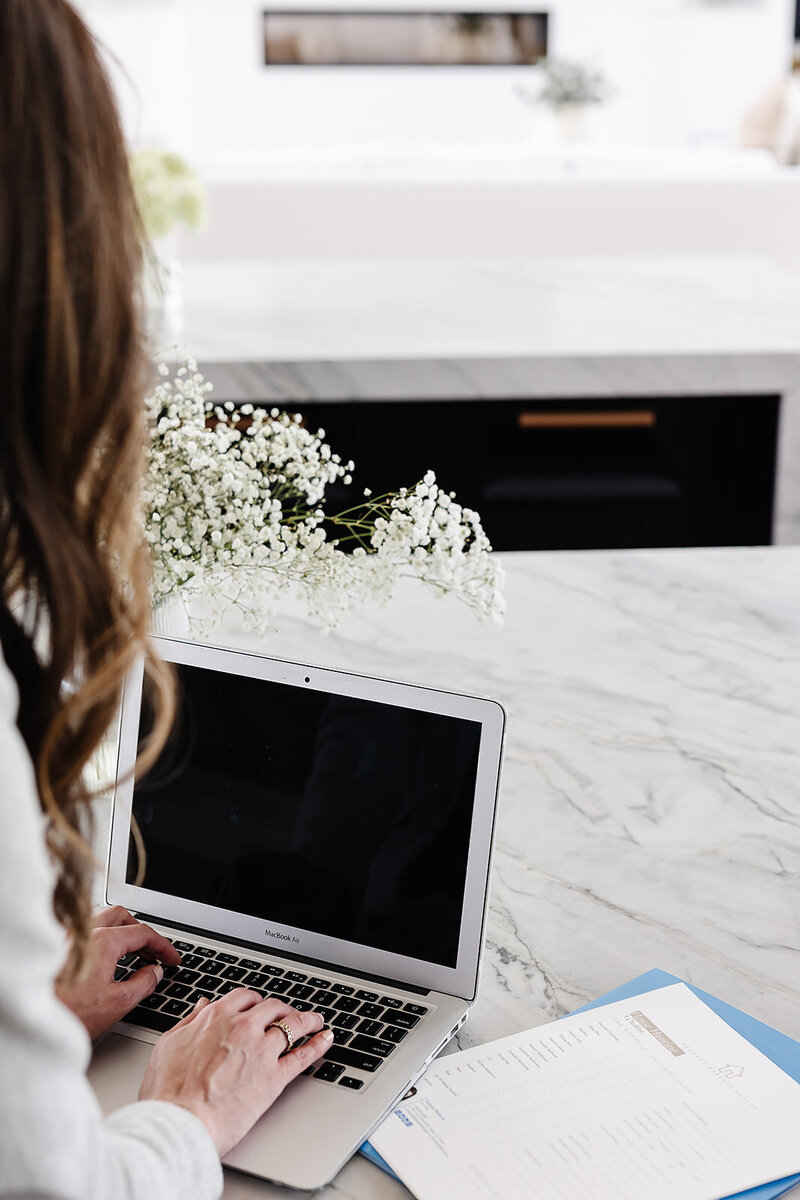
x,y
690,362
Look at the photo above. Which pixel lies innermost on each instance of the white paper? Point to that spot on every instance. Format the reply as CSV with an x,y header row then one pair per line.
x,y
652,1096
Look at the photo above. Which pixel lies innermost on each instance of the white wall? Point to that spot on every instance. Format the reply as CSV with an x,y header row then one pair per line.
x,y
684,70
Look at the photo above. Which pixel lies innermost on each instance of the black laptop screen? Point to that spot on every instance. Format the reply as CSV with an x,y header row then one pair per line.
x,y
342,816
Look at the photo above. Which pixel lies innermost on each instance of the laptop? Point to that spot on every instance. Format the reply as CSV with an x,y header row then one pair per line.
x,y
321,836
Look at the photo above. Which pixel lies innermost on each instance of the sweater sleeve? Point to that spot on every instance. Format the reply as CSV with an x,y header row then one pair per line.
x,y
53,1140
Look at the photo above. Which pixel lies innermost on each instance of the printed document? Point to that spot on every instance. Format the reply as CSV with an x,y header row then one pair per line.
x,y
650,1096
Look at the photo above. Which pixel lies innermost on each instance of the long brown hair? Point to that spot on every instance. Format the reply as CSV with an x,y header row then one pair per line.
x,y
74,606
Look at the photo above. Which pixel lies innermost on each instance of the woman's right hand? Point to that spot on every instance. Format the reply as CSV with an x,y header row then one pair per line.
x,y
224,1064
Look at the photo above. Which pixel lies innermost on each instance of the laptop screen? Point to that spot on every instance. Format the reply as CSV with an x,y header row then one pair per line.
x,y
329,813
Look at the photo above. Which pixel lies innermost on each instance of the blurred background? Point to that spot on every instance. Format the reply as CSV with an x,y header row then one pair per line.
x,y
600,199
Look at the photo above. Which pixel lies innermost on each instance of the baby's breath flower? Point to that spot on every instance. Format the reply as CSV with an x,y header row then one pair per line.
x,y
235,513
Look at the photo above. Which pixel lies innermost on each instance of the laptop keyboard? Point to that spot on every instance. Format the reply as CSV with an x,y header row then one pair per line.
x,y
367,1025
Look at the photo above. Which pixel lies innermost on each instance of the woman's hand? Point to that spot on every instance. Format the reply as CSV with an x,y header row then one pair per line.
x,y
95,996
227,1066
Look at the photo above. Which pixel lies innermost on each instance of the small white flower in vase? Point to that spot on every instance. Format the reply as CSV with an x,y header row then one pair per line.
x,y
170,196
571,92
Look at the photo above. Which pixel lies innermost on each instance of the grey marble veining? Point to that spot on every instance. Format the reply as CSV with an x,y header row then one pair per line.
x,y
650,808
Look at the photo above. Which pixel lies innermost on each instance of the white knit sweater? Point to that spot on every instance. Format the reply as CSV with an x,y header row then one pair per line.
x,y
53,1140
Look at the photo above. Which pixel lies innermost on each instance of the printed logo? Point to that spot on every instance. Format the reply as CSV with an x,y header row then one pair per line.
x,y
731,1071
282,937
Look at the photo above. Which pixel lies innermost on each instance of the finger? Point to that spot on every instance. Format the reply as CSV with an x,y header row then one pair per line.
x,y
239,1000
143,938
301,1024
116,915
141,983
302,1057
202,1003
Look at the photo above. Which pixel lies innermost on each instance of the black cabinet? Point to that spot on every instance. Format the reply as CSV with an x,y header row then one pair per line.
x,y
574,474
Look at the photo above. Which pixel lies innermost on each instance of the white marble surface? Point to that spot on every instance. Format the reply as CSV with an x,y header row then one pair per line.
x,y
575,312
650,809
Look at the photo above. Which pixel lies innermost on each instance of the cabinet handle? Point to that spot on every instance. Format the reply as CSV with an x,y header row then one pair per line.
x,y
632,419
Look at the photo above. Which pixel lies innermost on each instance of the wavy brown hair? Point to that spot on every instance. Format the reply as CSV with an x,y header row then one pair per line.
x,y
74,607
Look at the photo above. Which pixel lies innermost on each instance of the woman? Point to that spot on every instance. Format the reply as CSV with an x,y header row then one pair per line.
x,y
73,614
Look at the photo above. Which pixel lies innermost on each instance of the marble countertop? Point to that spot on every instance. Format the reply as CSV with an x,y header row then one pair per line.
x,y
580,327
650,808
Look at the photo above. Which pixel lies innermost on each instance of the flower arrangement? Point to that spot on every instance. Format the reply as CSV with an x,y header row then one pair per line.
x,y
566,84
234,513
168,192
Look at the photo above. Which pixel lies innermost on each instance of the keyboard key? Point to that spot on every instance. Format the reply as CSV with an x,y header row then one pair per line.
x,y
295,976
249,964
353,1058
341,1036
371,1028
330,1072
270,970
184,947
403,1019
128,958
370,1012
227,958
343,989
279,986
301,991
391,1002
186,976
302,1005
346,1004
121,973
179,990
392,1034
224,988
257,979
194,996
371,1045
327,1014
151,1001
192,961
158,1021
212,966
419,1009
345,1020
324,997
235,973
177,1008
204,951
208,981
319,983
366,995
350,1082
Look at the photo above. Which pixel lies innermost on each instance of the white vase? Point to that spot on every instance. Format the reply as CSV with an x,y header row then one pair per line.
x,y
171,619
163,290
572,123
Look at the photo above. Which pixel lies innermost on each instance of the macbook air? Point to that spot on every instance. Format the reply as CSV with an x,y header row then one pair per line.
x,y
316,835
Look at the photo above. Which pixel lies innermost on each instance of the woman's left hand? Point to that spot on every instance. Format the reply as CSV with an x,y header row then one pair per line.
x,y
95,996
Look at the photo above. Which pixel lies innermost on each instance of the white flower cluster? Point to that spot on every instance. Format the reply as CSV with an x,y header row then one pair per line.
x,y
234,513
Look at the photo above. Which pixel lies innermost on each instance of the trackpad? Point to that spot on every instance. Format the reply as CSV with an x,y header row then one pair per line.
x,y
117,1069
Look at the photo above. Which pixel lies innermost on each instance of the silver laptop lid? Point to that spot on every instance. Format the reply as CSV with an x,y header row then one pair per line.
x,y
337,817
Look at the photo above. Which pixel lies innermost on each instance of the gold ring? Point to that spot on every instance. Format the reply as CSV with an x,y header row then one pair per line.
x,y
286,1031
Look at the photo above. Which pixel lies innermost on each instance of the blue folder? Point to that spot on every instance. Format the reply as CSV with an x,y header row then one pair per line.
x,y
782,1050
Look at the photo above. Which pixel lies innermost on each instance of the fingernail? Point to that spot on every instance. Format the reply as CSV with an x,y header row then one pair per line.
x,y
327,1035
202,1002
159,972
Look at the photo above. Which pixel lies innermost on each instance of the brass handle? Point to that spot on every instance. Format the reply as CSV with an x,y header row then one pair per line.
x,y
632,419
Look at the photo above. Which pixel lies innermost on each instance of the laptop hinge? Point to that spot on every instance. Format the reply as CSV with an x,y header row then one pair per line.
x,y
349,972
